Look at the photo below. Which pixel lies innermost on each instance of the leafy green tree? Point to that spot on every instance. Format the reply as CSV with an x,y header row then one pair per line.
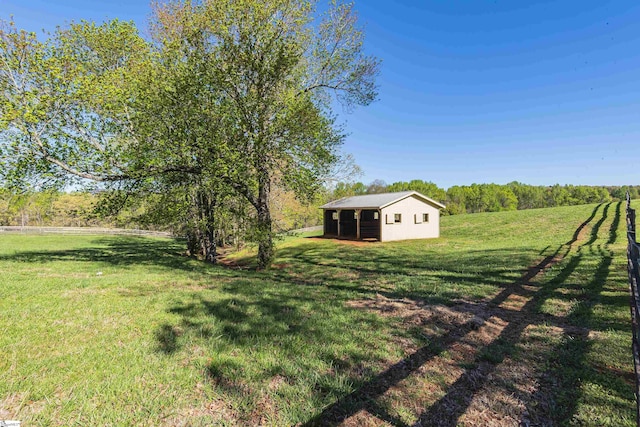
x,y
456,200
63,104
268,75
429,189
229,100
480,198
620,193
497,198
529,196
344,189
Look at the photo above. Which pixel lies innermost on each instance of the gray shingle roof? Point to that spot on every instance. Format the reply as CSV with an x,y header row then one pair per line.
x,y
377,201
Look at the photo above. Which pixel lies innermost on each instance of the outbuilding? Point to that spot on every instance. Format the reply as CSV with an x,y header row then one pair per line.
x,y
384,217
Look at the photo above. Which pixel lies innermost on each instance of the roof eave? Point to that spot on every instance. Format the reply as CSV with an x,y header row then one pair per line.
x,y
325,207
420,196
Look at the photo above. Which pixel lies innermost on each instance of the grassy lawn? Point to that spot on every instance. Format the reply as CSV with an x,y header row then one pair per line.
x,y
508,317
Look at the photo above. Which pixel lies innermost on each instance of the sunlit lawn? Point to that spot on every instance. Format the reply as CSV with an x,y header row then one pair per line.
x,y
99,330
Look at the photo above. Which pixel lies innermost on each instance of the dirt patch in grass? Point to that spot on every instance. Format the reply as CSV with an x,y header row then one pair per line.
x,y
457,333
479,365
10,405
212,412
276,381
19,406
473,376
512,392
346,241
224,261
363,418
412,312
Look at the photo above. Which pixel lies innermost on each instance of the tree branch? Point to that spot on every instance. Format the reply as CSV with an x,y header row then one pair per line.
x,y
243,190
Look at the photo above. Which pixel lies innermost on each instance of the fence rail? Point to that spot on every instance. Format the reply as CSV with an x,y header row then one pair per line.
x,y
633,258
83,230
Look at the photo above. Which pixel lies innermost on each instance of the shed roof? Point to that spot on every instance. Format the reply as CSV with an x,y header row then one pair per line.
x,y
377,201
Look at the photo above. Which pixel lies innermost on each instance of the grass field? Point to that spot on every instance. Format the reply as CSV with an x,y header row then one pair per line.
x,y
508,317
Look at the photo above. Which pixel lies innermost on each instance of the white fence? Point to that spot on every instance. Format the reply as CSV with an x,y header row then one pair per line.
x,y
83,230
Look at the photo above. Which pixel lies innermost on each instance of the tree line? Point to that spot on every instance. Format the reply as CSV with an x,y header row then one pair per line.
x,y
86,209
476,198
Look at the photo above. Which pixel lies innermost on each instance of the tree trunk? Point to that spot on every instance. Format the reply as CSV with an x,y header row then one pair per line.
x,y
193,242
202,238
265,247
265,244
209,235
209,245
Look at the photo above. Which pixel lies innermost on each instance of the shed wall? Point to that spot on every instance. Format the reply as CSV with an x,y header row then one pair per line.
x,y
409,209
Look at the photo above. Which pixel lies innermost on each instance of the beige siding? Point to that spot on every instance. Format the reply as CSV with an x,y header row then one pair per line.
x,y
410,209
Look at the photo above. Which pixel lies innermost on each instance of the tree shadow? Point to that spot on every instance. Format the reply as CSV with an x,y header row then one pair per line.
x,y
119,251
246,317
581,227
418,276
245,328
567,360
167,338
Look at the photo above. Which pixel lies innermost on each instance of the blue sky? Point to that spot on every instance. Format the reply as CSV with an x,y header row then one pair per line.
x,y
541,92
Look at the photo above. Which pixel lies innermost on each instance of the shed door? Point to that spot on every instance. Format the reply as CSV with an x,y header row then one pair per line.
x,y
331,223
348,227
370,224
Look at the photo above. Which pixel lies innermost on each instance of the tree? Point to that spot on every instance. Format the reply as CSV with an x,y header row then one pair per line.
x,y
529,196
64,102
270,74
429,189
345,189
231,98
456,200
377,186
480,198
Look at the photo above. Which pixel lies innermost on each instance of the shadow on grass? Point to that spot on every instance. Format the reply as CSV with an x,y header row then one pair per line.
x,y
426,277
252,319
249,316
561,384
120,251
167,338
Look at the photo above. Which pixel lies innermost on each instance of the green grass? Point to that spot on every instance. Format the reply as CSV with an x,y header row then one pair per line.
x,y
101,330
